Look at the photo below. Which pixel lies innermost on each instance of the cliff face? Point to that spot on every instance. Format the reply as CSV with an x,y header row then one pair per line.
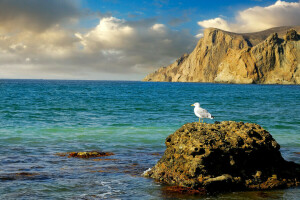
x,y
271,57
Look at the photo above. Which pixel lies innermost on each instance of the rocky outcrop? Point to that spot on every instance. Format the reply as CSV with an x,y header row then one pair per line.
x,y
224,156
270,57
86,154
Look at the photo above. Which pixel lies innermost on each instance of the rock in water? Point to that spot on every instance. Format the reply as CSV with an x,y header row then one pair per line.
x,y
224,156
86,154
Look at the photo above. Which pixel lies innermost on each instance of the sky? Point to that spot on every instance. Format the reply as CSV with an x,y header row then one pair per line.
x,y
119,39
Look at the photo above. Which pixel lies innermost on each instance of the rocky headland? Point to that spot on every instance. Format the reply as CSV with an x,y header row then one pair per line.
x,y
226,156
267,57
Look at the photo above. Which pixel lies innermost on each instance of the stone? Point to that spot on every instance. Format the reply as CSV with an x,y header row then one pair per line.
x,y
86,154
267,57
292,35
225,156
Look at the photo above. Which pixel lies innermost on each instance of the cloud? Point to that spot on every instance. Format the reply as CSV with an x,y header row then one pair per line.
x,y
113,49
259,18
178,21
53,42
199,35
160,28
216,23
36,15
43,39
108,34
133,47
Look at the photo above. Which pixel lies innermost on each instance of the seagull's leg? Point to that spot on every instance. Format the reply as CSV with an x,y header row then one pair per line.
x,y
199,120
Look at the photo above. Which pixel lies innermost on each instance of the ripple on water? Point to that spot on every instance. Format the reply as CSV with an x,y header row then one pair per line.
x,y
130,119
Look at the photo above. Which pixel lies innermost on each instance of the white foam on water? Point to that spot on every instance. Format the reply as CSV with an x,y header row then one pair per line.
x,y
145,172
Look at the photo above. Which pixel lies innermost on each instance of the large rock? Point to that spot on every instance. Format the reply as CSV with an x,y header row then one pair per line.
x,y
271,57
224,156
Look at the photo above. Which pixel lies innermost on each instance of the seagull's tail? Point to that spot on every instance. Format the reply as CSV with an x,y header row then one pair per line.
x,y
212,117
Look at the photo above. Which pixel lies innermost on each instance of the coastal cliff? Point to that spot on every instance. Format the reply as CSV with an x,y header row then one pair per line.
x,y
225,156
268,57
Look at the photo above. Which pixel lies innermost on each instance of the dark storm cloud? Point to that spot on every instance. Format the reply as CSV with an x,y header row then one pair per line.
x,y
36,15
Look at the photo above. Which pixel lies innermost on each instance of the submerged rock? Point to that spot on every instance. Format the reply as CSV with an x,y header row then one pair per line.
x,y
23,176
86,154
224,156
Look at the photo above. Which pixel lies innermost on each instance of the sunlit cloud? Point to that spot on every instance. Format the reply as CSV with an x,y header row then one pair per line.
x,y
199,35
159,28
108,34
259,18
114,47
215,23
129,47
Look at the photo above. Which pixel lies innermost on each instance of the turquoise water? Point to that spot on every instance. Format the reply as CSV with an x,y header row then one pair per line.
x,y
39,118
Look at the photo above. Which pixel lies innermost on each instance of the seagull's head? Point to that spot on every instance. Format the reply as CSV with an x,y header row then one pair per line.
x,y
196,104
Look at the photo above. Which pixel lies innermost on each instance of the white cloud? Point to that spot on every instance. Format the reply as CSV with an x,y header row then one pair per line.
x,y
215,23
259,18
109,33
159,28
199,35
113,48
17,47
132,47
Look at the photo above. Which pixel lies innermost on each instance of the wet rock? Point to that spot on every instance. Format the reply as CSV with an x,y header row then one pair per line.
x,y
22,176
224,156
105,159
86,154
156,154
26,174
181,190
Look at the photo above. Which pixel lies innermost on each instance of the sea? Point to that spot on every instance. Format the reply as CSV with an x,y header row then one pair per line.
x,y
42,119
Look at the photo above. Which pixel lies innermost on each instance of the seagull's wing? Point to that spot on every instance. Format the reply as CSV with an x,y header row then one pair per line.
x,y
204,113
199,110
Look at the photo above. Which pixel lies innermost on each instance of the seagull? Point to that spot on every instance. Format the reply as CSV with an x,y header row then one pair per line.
x,y
201,113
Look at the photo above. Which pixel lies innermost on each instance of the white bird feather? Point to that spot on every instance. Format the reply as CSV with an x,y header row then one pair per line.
x,y
201,112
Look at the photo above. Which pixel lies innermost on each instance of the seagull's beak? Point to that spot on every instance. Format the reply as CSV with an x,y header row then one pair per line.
x,y
192,105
